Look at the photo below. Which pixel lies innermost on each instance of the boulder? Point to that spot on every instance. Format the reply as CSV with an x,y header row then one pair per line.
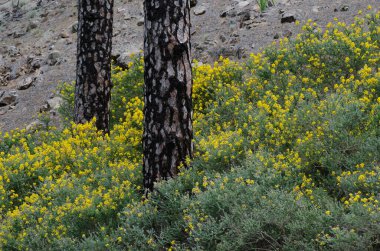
x,y
8,98
26,83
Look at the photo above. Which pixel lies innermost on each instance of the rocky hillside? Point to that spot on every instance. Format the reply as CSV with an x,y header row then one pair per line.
x,y
38,41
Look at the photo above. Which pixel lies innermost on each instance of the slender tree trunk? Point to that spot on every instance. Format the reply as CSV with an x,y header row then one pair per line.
x,y
168,133
93,82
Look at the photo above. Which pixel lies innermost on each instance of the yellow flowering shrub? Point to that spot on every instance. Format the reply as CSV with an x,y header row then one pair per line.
x,y
286,157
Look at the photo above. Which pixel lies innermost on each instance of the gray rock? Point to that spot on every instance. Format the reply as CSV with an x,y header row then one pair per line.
x,y
282,2
54,103
254,23
288,17
243,4
64,35
344,8
45,108
54,57
35,63
231,12
231,51
8,98
26,83
316,9
3,110
199,10
74,27
125,58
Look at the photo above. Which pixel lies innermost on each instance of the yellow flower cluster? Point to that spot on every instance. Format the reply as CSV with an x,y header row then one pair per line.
x,y
72,183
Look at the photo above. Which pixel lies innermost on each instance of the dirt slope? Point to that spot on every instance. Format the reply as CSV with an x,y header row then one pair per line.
x,y
38,41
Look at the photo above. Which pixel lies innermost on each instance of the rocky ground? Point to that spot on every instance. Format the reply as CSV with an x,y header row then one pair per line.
x,y
38,41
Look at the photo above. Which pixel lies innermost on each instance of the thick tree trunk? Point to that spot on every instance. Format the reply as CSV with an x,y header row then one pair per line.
x,y
168,133
93,82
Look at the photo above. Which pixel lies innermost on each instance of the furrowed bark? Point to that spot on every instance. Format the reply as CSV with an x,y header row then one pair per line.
x,y
168,133
93,81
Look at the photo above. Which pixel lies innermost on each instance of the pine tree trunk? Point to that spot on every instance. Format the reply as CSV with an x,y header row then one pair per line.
x,y
93,82
167,139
